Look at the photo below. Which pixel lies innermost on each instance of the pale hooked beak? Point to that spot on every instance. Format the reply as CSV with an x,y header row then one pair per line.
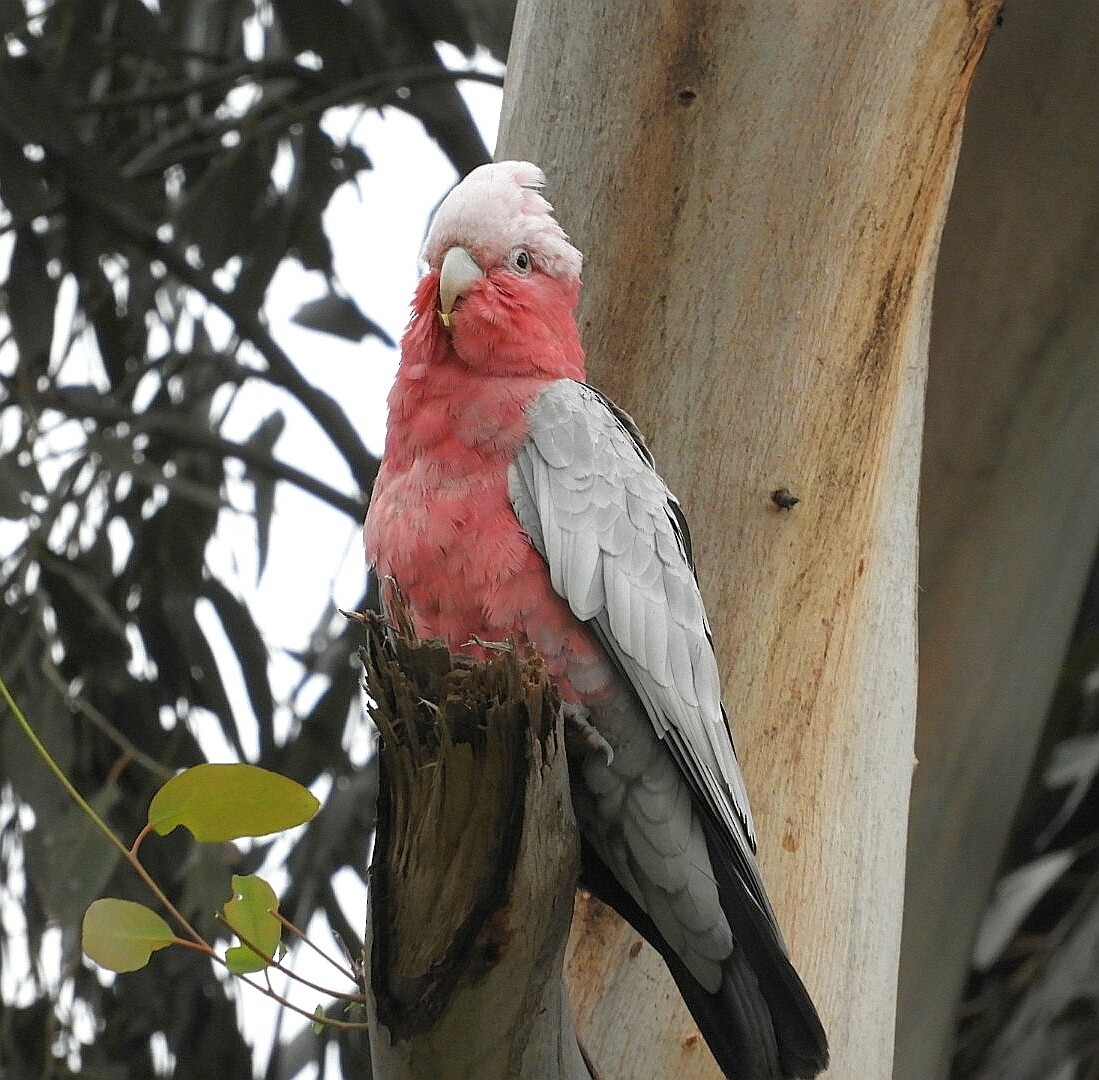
x,y
456,277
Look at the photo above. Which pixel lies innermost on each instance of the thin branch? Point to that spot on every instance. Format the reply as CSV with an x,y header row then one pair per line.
x,y
96,189
226,75
326,1021
275,116
183,431
278,965
80,704
317,949
100,824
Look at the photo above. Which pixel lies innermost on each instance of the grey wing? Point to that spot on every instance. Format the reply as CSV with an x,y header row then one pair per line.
x,y
584,488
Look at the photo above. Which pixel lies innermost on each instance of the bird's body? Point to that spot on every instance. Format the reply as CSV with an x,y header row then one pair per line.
x,y
515,501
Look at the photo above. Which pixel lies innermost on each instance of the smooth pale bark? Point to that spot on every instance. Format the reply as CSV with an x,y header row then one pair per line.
x,y
1009,504
758,189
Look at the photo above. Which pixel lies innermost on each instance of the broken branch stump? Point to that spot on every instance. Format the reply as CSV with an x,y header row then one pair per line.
x,y
474,868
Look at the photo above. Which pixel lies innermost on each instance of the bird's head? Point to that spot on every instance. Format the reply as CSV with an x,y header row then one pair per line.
x,y
503,279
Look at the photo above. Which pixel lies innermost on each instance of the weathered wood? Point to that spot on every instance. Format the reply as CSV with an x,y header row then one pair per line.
x,y
1009,505
758,189
474,869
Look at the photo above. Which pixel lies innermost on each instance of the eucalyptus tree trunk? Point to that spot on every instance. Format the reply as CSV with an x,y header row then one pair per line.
x,y
759,191
1009,503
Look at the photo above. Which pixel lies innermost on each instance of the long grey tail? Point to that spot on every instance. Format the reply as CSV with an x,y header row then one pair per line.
x,y
761,1023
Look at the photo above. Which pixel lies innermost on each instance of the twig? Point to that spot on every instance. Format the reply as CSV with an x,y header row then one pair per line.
x,y
347,974
87,709
93,406
228,73
275,116
89,186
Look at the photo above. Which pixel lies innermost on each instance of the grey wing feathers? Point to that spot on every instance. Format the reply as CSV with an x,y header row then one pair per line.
x,y
584,488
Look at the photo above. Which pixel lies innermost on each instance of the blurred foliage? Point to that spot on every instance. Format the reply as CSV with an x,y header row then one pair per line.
x,y
137,149
1023,1001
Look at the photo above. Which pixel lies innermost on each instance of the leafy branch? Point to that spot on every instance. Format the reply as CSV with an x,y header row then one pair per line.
x,y
90,183
88,404
217,804
276,114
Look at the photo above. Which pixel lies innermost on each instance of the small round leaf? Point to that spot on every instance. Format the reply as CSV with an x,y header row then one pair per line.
x,y
251,914
225,802
121,935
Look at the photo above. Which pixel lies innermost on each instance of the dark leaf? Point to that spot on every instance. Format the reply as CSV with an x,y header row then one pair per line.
x,y
1015,896
337,837
91,631
23,190
261,258
317,748
32,111
108,322
48,714
304,1049
264,439
32,299
321,169
222,209
12,16
251,655
350,160
341,317
17,483
198,670
331,30
70,861
441,20
139,28
438,106
118,320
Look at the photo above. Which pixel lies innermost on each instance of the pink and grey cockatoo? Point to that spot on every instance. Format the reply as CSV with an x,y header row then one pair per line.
x,y
515,501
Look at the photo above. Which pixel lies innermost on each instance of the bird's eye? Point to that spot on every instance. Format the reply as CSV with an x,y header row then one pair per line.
x,y
519,260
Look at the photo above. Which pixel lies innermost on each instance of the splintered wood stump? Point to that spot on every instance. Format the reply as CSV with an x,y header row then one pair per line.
x,y
475,863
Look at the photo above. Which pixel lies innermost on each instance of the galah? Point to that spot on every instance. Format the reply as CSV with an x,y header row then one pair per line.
x,y
515,501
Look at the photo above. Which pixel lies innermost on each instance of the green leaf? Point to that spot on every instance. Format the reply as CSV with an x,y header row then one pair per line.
x,y
319,1020
224,802
251,915
121,935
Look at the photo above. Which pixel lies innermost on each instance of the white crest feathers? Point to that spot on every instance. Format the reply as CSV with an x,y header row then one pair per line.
x,y
499,207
